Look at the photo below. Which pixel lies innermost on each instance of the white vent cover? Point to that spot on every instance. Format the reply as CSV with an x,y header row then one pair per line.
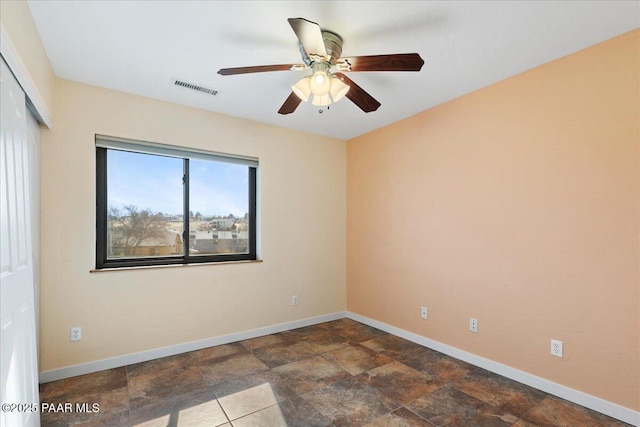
x,y
195,87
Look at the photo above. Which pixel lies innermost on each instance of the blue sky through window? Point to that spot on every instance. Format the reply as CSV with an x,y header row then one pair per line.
x,y
155,182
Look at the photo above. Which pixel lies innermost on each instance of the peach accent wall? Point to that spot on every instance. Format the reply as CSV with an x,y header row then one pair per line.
x,y
18,24
518,205
302,192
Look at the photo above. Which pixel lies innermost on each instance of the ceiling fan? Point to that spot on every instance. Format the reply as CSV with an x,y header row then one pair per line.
x,y
320,50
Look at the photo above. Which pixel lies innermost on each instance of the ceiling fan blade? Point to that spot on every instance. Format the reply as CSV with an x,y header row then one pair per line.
x,y
260,69
310,36
393,62
290,104
359,96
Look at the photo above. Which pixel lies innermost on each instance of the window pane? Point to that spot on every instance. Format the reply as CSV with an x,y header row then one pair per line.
x,y
144,202
219,208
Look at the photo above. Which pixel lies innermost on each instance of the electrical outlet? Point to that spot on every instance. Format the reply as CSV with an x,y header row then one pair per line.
x,y
424,313
294,300
76,333
473,325
556,348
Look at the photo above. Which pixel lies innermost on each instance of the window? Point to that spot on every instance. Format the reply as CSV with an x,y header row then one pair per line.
x,y
159,205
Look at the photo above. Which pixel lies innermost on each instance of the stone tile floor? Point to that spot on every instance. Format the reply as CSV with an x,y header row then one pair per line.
x,y
339,373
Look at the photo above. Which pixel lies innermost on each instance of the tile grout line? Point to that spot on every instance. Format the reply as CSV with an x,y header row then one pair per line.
x,y
126,373
546,395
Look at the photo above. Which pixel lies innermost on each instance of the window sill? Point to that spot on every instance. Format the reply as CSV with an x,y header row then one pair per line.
x,y
153,267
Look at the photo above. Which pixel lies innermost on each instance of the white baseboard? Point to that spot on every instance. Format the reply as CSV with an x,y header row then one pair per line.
x,y
144,356
600,405
588,401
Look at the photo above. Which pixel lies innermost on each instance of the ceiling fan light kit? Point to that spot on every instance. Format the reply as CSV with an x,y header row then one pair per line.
x,y
321,84
320,51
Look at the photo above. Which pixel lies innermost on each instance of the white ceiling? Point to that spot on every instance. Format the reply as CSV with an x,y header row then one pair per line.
x,y
139,46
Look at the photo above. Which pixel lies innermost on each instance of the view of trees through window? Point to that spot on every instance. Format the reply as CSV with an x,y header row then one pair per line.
x,y
146,214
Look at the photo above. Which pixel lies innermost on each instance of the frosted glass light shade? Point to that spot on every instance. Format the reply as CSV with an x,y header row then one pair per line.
x,y
302,89
320,83
338,89
321,100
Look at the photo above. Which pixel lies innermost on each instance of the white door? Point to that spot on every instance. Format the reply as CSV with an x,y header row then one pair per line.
x,y
18,363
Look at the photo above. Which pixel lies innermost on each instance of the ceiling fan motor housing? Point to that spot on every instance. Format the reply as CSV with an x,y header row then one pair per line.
x,y
333,45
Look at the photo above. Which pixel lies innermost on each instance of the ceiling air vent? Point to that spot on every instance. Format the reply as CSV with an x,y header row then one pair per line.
x,y
194,86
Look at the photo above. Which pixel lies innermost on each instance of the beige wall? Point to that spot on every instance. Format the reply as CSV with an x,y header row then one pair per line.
x,y
302,191
518,205
20,29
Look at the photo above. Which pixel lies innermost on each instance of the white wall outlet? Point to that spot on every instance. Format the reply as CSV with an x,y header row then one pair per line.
x,y
294,300
423,313
556,348
473,325
76,333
